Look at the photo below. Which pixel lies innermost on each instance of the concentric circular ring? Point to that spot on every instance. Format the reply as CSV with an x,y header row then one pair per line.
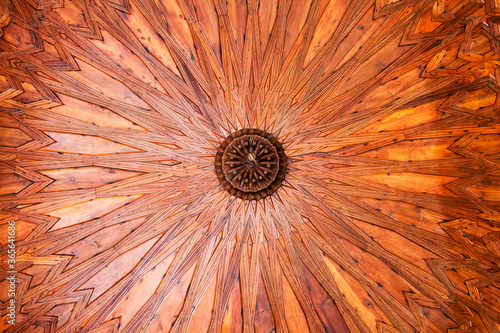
x,y
250,164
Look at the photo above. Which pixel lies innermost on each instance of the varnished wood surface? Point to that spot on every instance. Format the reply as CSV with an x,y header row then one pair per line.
x,y
387,220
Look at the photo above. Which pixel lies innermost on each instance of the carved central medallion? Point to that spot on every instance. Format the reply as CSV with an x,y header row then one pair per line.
x,y
250,164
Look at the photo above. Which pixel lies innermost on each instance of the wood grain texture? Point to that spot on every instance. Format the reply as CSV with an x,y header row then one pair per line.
x,y
387,220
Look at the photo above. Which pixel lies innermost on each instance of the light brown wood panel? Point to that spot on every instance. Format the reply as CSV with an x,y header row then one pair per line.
x,y
111,116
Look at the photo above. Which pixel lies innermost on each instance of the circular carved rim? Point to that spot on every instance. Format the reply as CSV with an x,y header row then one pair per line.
x,y
250,164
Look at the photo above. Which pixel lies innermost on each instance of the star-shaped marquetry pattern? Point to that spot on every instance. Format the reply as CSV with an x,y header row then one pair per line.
x,y
387,219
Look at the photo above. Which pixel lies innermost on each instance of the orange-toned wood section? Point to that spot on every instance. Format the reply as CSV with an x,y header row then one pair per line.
x,y
387,220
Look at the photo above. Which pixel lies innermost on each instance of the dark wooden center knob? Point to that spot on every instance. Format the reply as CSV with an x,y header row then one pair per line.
x,y
250,164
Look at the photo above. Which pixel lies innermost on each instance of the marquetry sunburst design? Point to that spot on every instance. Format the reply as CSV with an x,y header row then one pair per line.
x,y
383,130
250,164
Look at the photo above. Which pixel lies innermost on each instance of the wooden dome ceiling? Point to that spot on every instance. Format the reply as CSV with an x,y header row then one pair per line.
x,y
387,219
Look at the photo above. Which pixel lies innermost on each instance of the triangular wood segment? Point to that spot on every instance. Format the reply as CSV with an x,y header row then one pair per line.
x,y
111,114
